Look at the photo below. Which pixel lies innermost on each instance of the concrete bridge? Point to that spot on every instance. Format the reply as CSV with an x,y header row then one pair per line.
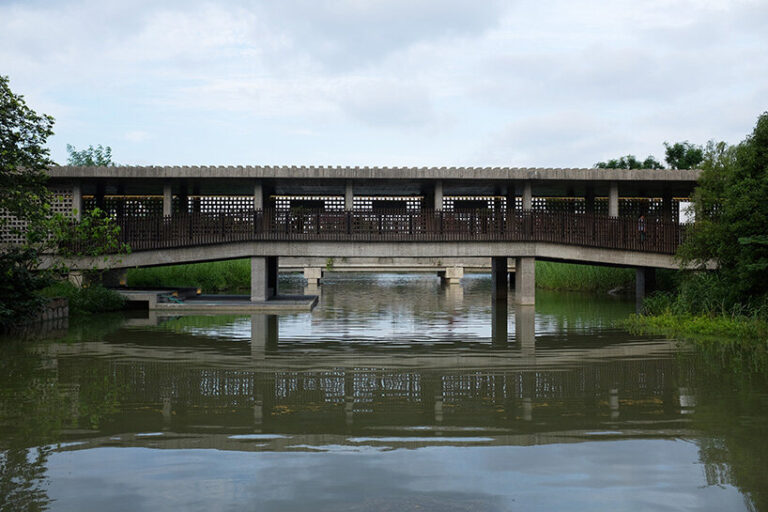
x,y
171,215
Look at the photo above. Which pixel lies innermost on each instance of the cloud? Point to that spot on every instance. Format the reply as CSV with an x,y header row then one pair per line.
x,y
136,136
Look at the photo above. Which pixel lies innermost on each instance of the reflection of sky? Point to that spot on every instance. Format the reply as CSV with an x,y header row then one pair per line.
x,y
415,307
633,475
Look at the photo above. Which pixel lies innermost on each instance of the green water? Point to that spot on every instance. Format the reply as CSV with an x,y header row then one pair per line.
x,y
394,394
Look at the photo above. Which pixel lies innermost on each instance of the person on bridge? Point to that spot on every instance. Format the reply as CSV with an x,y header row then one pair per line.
x,y
641,227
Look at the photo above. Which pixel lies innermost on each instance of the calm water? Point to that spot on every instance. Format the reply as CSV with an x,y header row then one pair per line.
x,y
394,394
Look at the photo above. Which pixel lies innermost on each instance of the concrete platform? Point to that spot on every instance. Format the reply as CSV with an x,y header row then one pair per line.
x,y
218,303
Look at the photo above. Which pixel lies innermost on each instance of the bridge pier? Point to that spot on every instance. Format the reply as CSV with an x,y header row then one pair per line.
x,y
645,281
499,278
451,275
525,281
313,275
263,278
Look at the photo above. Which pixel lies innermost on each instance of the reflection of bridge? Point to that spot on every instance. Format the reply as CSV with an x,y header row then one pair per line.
x,y
207,399
187,214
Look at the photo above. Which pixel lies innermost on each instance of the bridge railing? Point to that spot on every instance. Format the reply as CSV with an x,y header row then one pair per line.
x,y
194,229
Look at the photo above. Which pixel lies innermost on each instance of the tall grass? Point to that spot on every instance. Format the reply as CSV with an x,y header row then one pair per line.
x,y
586,278
82,301
210,277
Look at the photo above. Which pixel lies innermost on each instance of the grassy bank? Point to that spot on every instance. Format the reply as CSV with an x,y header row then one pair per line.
x,y
583,278
717,327
94,299
210,277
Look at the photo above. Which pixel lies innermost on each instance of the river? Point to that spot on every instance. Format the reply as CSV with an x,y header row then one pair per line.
x,y
394,394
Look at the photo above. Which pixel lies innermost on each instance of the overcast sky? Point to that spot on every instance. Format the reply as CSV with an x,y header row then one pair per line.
x,y
388,82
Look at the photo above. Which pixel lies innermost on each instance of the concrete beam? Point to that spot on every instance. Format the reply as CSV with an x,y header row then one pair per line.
x,y
167,199
613,199
525,281
335,249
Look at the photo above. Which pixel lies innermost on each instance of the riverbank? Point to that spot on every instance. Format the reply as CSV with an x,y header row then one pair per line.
x,y
718,327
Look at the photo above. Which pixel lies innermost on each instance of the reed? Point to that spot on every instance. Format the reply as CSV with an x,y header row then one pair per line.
x,y
210,277
585,278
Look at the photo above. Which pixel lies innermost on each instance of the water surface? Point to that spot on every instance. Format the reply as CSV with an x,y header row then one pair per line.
x,y
396,393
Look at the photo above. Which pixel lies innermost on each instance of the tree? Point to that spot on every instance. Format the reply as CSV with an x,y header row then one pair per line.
x,y
630,162
92,157
683,155
732,216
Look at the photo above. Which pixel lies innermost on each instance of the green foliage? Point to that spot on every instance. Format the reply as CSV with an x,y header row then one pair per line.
x,y
683,155
589,278
92,157
211,277
93,299
19,286
630,162
96,234
732,217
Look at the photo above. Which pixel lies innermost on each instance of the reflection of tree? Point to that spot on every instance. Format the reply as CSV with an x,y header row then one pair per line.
x,y
732,412
22,476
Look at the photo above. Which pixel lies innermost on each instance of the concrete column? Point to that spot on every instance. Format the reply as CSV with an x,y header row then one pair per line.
x,y
525,280
499,278
313,275
645,282
613,200
263,278
349,196
184,198
438,196
114,277
99,197
527,196
167,199
452,275
77,201
258,196
511,197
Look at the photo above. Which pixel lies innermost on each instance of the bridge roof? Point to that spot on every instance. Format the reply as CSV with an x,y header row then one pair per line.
x,y
390,180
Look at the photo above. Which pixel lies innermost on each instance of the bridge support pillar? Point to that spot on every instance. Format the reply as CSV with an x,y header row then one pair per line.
x,y
349,196
613,200
313,275
645,282
499,278
77,201
525,281
263,278
167,199
452,275
438,195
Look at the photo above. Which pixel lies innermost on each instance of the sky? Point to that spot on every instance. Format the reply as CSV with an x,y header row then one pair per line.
x,y
387,82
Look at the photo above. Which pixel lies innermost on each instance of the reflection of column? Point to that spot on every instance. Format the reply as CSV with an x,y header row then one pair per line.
x,y
258,407
454,296
167,412
687,401
499,273
499,329
525,329
613,403
313,289
264,334
439,408
525,280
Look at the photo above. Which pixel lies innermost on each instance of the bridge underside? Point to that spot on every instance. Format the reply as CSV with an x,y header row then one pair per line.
x,y
336,249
